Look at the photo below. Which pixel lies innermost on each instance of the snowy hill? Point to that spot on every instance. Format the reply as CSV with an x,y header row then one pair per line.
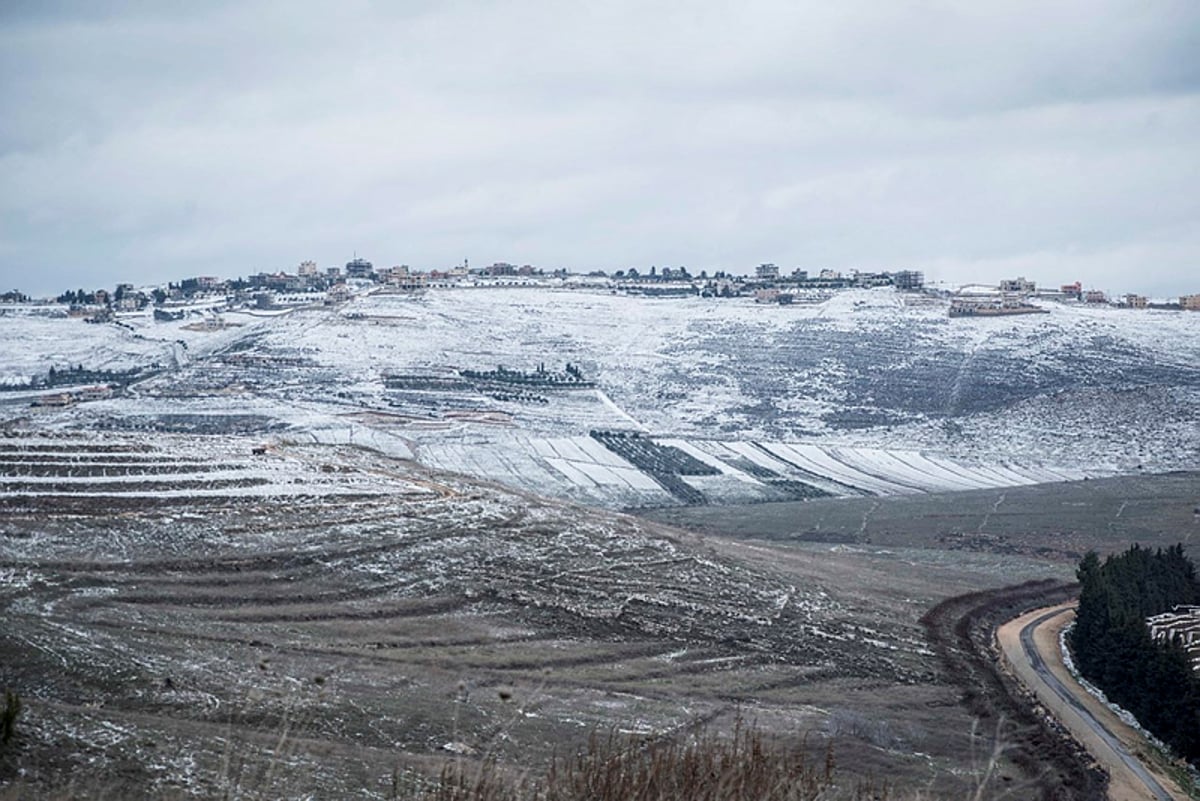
x,y
671,400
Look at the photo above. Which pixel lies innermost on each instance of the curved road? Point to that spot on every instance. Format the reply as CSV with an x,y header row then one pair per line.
x,y
1038,663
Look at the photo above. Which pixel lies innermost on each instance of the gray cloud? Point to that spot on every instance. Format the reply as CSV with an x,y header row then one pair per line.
x,y
1057,140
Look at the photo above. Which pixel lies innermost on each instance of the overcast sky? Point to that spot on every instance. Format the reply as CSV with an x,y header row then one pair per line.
x,y
973,140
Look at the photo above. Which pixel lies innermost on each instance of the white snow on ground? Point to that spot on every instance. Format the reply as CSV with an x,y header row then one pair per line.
x,y
865,391
998,475
586,462
573,473
823,463
104,466
362,436
272,491
607,401
720,490
875,462
31,345
699,454
978,475
747,451
590,469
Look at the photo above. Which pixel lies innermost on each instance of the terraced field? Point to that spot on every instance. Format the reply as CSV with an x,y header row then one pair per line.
x,y
380,617
309,552
624,468
83,475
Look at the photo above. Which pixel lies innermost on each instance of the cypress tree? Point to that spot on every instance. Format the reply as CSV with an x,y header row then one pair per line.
x,y
1113,648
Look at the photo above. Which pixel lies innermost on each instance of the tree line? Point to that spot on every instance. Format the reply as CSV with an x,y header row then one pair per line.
x,y
1113,648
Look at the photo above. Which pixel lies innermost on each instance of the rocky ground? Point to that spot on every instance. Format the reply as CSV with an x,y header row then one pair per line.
x,y
308,555
379,618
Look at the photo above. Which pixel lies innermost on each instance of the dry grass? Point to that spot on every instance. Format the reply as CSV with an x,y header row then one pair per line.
x,y
742,767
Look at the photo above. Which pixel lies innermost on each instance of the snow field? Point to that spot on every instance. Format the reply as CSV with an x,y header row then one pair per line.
x,y
993,475
748,451
580,467
687,368
604,475
584,460
563,467
286,472
823,463
889,467
712,461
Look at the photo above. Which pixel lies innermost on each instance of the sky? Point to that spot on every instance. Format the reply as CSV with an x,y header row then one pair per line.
x,y
150,141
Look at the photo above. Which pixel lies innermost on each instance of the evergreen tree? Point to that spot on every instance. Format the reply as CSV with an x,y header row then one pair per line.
x,y
1113,647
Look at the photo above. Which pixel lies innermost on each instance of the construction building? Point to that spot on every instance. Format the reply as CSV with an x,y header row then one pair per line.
x,y
1018,286
1182,625
1132,301
766,272
359,268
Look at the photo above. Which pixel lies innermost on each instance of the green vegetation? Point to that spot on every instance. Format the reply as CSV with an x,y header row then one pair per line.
x,y
570,378
1113,647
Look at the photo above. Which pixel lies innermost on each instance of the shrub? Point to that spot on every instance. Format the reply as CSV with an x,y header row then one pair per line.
x,y
8,719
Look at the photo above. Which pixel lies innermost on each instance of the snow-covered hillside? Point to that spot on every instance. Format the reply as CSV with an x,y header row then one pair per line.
x,y
870,391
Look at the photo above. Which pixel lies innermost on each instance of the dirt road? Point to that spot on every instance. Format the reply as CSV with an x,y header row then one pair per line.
x,y
1030,644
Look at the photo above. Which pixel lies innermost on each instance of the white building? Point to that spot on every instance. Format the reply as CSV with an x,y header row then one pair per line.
x,y
98,392
338,293
1182,623
401,278
1019,286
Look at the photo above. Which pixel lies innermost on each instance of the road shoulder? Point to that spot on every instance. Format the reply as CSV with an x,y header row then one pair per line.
x,y
1124,785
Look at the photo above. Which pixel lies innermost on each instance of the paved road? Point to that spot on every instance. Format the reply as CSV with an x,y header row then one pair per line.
x,y
1058,688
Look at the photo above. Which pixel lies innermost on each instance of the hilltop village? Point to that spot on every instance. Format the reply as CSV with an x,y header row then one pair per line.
x,y
769,284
